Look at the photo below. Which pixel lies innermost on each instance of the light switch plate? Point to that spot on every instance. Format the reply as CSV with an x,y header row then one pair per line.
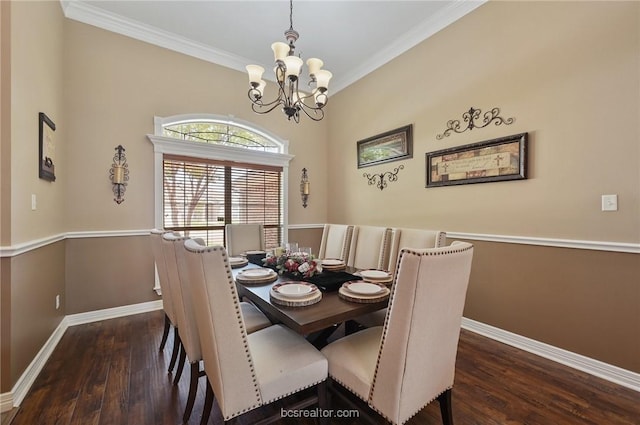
x,y
609,202
34,204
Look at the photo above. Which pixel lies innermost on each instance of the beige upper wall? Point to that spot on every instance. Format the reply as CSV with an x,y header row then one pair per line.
x,y
116,85
569,72
37,86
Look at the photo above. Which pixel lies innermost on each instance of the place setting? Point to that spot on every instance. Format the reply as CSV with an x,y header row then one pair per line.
x,y
375,276
363,292
238,262
295,294
256,276
333,265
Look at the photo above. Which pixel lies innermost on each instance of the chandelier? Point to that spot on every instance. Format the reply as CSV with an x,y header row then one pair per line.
x,y
287,71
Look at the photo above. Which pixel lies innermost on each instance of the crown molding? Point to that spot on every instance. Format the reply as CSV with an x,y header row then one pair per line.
x,y
415,36
91,15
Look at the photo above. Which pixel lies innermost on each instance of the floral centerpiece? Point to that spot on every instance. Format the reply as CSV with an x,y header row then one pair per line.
x,y
296,265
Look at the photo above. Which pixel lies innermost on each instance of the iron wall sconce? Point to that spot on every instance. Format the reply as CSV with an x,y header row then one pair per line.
x,y
472,118
304,187
119,174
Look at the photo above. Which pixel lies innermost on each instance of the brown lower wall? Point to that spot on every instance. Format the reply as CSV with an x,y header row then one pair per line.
x,y
584,301
108,272
36,277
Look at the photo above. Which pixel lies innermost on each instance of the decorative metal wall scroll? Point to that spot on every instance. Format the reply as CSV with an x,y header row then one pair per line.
x,y
379,179
471,117
119,174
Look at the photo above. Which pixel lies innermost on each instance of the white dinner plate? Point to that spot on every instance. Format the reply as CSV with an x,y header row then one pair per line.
x,y
256,273
365,288
374,274
254,252
294,290
237,260
330,262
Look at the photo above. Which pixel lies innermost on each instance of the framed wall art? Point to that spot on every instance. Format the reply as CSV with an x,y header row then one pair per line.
x,y
489,161
393,145
47,148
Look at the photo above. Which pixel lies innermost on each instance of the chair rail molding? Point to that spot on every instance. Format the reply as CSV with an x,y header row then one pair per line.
x,y
633,248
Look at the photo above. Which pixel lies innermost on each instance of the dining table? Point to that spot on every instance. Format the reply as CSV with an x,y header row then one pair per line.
x,y
321,318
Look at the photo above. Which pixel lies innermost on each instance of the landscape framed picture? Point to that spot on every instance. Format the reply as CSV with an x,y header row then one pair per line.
x,y
393,145
489,161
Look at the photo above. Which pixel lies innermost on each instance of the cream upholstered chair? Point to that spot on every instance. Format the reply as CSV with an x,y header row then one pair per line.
x,y
414,238
245,371
244,237
370,247
401,367
178,273
404,238
167,301
335,242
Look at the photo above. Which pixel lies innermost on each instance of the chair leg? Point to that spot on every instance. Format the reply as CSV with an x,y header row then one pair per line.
x,y
181,362
193,388
323,401
165,333
208,404
445,407
176,349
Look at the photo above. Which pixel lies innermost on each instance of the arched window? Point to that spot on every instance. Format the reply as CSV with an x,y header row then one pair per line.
x,y
212,170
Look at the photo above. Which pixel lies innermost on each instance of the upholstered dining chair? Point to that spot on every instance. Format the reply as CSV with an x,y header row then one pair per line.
x,y
404,238
370,247
399,368
335,242
246,371
244,237
178,273
167,300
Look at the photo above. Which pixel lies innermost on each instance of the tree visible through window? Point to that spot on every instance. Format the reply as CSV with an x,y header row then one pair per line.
x,y
201,195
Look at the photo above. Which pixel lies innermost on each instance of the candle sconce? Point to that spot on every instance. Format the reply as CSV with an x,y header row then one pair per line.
x,y
304,187
119,174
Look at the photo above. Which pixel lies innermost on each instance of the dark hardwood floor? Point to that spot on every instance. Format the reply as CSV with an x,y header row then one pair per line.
x,y
111,372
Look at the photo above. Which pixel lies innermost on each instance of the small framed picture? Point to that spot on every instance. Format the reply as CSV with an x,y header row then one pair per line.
x,y
393,145
47,149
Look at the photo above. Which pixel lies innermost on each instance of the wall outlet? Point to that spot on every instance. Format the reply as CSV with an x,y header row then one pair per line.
x,y
609,202
57,302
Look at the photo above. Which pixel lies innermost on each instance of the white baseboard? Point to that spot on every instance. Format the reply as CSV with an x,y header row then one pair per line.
x,y
594,367
111,313
21,388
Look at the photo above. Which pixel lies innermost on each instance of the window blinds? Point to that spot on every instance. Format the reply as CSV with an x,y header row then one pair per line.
x,y
201,196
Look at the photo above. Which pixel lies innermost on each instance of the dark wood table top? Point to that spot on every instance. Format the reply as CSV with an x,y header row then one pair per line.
x,y
331,310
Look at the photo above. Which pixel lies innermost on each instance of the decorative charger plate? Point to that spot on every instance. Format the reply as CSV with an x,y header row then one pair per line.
x,y
332,262
237,262
364,288
345,293
256,276
374,274
294,289
311,298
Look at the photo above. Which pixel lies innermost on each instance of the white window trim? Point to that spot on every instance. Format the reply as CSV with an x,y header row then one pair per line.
x,y
168,145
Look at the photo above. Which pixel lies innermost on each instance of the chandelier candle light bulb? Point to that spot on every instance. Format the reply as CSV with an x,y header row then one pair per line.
x,y
287,76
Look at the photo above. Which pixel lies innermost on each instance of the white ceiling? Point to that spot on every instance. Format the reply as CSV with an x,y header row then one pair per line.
x,y
352,37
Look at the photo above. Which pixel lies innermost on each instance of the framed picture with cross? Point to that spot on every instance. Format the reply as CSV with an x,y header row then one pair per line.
x,y
489,161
